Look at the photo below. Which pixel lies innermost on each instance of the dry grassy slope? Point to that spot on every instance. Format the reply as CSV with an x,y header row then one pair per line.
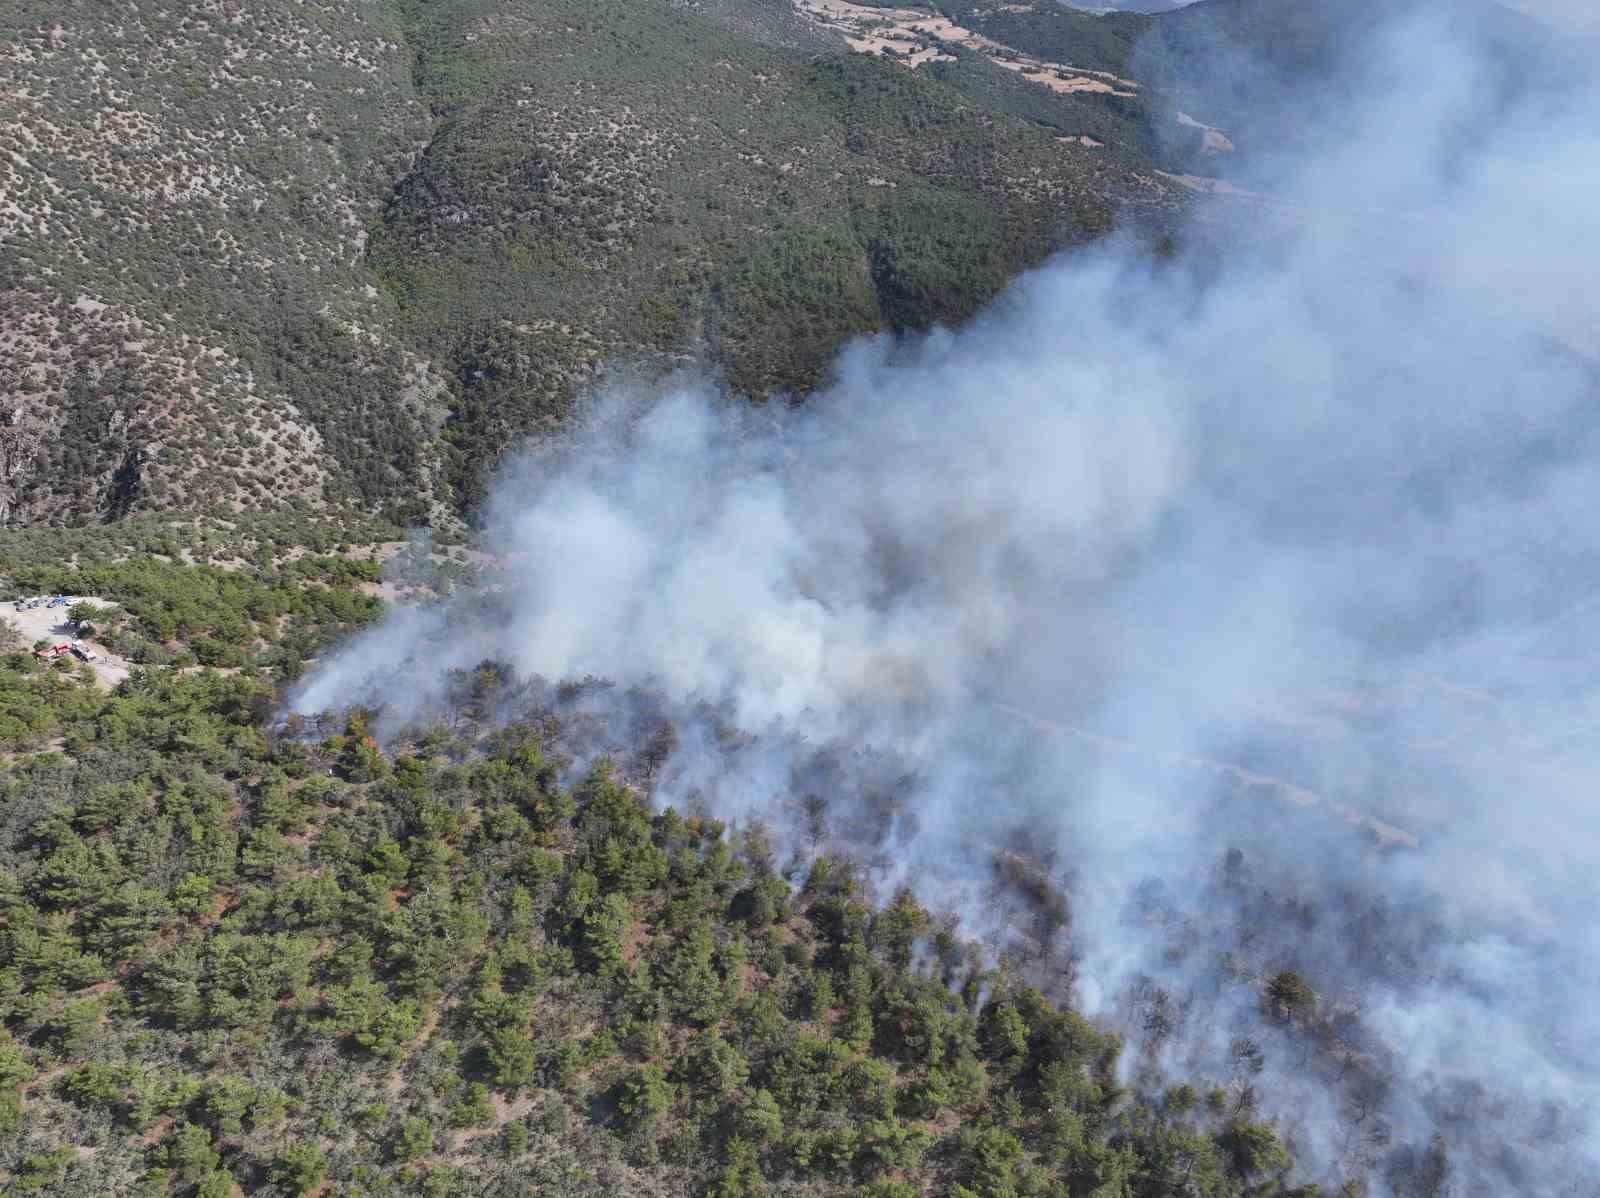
x,y
184,193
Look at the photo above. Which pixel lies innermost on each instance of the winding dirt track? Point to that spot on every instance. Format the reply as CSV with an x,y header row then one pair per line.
x,y
1386,835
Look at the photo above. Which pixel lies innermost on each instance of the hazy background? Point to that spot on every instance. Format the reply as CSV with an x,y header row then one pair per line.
x,y
1563,14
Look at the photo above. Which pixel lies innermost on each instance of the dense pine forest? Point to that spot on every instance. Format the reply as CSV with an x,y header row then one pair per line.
x,y
245,953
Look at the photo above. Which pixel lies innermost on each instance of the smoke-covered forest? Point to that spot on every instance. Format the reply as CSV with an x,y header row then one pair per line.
x,y
248,956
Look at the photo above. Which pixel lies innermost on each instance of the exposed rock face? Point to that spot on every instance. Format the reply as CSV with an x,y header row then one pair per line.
x,y
19,448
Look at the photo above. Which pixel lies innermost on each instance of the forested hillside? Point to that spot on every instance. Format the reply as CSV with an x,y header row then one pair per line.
x,y
319,257
338,257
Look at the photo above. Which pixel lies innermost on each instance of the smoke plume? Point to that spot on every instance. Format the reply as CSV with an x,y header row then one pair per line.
x,y
1252,597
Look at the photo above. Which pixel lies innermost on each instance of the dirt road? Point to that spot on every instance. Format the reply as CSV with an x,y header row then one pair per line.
x,y
1264,785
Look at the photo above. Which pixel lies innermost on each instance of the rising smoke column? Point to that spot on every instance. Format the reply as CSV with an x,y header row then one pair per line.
x,y
1324,513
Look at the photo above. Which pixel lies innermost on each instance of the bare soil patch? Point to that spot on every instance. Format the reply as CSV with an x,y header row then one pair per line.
x,y
51,624
915,36
1215,187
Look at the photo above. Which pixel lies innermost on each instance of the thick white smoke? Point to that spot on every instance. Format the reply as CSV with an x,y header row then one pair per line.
x,y
1309,526
1574,15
